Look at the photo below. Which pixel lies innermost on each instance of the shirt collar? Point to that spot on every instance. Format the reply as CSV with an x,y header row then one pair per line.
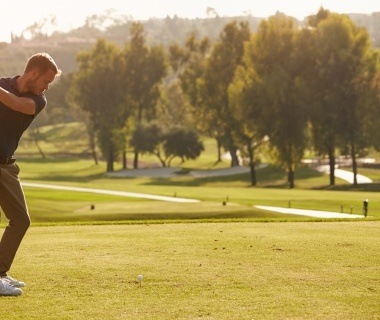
x,y
13,83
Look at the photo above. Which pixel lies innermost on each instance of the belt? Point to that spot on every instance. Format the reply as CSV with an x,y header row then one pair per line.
x,y
5,161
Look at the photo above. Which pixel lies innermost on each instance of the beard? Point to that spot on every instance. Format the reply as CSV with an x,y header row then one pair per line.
x,y
31,87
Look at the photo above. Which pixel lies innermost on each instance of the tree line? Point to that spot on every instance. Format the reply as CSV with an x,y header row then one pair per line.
x,y
290,88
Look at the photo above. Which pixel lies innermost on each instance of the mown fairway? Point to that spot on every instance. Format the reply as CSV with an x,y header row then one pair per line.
x,y
298,270
67,206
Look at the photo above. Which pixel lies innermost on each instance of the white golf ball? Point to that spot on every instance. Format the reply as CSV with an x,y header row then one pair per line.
x,y
139,277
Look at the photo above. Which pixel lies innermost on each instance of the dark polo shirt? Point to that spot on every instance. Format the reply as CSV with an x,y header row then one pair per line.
x,y
14,123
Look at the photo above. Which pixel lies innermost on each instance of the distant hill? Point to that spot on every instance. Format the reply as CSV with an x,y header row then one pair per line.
x,y
65,46
371,23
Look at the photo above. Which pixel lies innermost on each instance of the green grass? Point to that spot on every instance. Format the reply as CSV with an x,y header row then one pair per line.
x,y
66,138
49,205
311,190
54,205
205,260
199,271
374,174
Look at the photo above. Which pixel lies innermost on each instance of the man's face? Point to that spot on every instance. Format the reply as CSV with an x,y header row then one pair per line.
x,y
38,83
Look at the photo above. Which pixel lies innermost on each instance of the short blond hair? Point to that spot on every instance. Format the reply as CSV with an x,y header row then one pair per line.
x,y
42,62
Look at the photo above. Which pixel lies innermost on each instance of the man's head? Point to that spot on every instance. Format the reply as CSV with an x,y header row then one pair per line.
x,y
40,71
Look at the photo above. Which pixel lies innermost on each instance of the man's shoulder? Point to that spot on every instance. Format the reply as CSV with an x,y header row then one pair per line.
x,y
39,100
7,81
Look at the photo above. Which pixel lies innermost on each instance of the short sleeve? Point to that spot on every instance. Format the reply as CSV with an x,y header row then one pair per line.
x,y
39,100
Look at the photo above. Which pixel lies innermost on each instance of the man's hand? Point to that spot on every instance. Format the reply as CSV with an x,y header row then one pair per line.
x,y
20,104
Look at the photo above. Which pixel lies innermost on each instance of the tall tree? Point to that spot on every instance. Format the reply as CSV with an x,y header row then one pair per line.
x,y
145,68
173,107
59,105
220,69
246,110
98,87
358,83
342,65
373,110
188,63
274,55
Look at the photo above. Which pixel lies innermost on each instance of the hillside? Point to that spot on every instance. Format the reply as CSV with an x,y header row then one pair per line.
x,y
65,46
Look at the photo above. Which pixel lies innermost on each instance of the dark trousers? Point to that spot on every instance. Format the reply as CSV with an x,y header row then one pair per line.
x,y
13,204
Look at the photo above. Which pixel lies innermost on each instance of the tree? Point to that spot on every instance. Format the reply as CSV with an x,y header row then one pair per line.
x,y
219,72
84,116
147,138
189,63
173,108
183,143
98,87
273,57
58,110
341,71
144,70
244,100
358,83
373,110
323,100
166,144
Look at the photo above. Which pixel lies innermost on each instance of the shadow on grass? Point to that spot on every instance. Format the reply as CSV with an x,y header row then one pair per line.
x,y
368,187
68,175
257,215
66,178
196,181
268,177
47,160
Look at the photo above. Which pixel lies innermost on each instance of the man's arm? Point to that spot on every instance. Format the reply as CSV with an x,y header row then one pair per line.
x,y
20,104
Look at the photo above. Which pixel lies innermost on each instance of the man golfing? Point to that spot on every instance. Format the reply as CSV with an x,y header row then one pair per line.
x,y
22,98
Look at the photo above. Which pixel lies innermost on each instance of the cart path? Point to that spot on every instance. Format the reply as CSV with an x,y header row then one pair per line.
x,y
109,192
311,213
344,174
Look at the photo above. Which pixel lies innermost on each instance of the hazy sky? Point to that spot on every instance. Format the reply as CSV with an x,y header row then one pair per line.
x,y
15,16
